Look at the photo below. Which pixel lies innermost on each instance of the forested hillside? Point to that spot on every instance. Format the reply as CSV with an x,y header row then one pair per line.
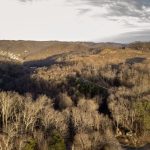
x,y
74,96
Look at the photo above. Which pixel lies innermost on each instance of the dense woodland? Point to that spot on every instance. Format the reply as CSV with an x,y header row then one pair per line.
x,y
64,103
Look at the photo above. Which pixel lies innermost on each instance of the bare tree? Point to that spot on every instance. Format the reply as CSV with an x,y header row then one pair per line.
x,y
32,110
9,103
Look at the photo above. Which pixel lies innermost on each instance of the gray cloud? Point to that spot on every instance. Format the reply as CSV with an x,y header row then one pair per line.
x,y
82,11
115,8
122,8
24,1
129,37
131,13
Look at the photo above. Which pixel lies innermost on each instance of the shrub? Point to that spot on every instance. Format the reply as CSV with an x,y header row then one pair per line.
x,y
31,145
142,109
56,142
88,105
82,142
65,101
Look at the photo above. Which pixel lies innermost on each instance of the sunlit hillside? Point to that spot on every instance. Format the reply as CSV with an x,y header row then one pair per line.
x,y
74,96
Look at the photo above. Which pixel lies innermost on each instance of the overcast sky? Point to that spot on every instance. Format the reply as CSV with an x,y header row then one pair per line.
x,y
75,20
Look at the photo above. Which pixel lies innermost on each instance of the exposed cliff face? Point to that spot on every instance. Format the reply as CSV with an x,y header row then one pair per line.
x,y
10,55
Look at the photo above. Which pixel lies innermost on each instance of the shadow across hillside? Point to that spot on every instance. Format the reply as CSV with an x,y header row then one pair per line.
x,y
18,78
60,58
23,80
135,60
145,147
47,62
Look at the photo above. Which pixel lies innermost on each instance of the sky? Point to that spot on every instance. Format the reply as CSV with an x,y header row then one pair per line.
x,y
75,20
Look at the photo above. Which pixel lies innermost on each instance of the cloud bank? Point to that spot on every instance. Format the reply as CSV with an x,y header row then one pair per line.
x,y
75,20
129,37
133,15
139,9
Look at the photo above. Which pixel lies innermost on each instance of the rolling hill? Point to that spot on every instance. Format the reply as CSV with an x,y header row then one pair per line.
x,y
87,96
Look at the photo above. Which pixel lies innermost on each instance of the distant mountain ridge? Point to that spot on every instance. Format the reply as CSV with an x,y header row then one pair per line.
x,y
140,45
42,49
32,50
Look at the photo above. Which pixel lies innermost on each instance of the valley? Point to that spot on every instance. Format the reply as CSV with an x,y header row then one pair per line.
x,y
74,95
